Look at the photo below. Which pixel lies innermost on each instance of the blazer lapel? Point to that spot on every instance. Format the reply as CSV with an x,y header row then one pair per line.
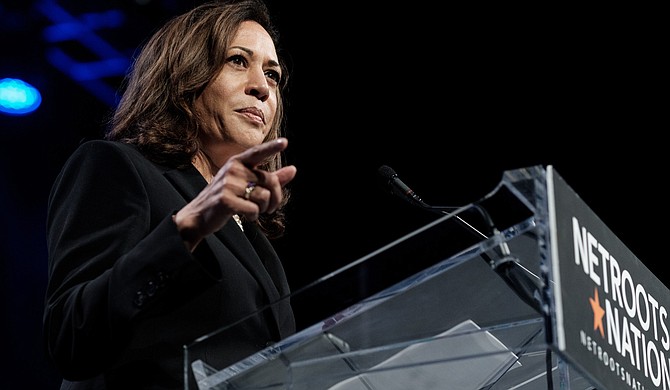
x,y
234,239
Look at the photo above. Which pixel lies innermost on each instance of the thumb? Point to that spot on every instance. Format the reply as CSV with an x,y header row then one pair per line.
x,y
286,174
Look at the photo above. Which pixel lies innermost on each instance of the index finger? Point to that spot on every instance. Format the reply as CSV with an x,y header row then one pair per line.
x,y
257,154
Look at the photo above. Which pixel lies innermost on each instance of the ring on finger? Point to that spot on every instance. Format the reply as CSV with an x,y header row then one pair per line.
x,y
251,186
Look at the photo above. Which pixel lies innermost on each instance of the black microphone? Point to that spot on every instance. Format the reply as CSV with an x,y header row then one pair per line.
x,y
402,190
398,187
526,284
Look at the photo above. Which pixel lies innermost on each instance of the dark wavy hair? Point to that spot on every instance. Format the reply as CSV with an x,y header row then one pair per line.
x,y
156,111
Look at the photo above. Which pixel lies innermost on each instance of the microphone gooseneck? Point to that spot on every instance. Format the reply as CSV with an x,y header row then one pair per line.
x,y
521,280
402,190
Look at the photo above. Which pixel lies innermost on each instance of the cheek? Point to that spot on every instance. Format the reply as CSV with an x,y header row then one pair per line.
x,y
207,102
217,96
272,112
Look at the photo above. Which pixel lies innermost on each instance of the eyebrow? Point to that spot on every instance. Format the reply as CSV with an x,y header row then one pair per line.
x,y
251,53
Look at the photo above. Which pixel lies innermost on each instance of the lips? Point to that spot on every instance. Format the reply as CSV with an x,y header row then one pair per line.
x,y
253,113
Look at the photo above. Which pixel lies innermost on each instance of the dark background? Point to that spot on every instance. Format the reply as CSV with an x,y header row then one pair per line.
x,y
450,97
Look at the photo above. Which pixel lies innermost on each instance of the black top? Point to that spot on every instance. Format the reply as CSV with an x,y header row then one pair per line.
x,y
125,295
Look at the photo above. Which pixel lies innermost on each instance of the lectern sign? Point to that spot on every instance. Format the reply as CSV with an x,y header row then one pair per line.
x,y
611,311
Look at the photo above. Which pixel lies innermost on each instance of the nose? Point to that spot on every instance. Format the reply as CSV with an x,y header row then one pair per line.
x,y
258,84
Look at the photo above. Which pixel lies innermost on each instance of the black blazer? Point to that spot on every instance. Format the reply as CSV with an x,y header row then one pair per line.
x,y
125,295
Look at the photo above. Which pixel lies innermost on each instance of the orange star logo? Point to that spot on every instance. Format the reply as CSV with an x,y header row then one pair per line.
x,y
598,313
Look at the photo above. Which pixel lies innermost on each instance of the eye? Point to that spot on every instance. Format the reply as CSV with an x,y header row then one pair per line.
x,y
237,59
273,75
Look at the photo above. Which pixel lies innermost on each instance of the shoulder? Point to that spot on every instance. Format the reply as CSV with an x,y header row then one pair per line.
x,y
95,146
98,152
96,159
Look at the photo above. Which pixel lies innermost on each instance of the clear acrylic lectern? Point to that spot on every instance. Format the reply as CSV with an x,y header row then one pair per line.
x,y
465,302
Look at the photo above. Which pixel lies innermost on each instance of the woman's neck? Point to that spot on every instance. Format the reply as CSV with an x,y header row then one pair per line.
x,y
205,165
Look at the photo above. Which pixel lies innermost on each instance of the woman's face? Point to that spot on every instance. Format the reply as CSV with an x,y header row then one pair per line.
x,y
240,104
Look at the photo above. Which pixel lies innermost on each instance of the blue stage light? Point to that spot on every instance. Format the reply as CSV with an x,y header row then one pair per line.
x,y
18,97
